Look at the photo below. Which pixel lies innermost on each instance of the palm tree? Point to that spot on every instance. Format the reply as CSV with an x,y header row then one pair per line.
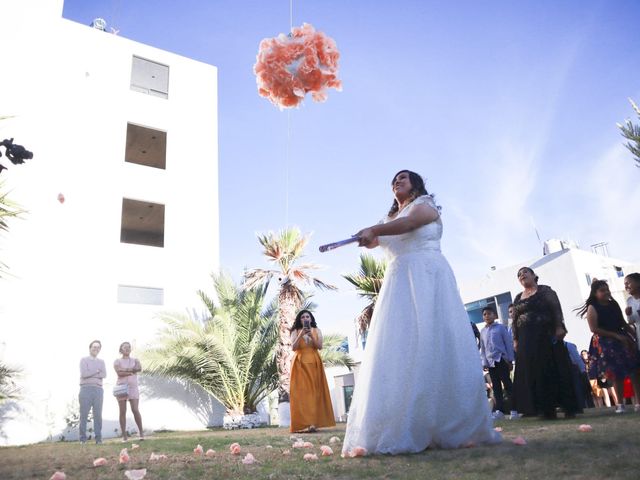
x,y
9,389
8,209
631,132
230,353
285,250
368,282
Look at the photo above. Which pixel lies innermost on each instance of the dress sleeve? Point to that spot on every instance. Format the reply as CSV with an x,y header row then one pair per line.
x,y
428,201
555,309
516,315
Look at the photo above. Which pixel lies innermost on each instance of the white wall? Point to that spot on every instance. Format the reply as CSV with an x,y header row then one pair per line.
x,y
69,91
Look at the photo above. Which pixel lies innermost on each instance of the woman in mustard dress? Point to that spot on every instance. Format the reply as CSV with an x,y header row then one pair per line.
x,y
309,397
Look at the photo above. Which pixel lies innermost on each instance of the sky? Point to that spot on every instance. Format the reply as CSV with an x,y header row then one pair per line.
x,y
508,109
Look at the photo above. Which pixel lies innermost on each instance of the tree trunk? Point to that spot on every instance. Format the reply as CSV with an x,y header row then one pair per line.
x,y
287,313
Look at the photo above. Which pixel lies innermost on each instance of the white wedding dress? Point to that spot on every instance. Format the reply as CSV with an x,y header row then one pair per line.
x,y
420,384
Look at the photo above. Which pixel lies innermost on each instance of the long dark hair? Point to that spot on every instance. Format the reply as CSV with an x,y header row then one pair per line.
x,y
592,300
297,324
418,189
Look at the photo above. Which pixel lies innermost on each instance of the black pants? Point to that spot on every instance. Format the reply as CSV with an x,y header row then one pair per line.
x,y
500,375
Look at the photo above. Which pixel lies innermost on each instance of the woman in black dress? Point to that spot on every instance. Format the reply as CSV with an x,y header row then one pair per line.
x,y
613,352
542,379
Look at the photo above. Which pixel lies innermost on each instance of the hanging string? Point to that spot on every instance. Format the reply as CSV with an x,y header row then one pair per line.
x,y
288,149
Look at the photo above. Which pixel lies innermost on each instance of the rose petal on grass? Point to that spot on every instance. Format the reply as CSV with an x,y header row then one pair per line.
x,y
286,452
333,440
198,450
585,428
519,441
135,474
58,476
124,456
134,446
249,459
153,457
268,446
326,450
210,453
310,457
298,444
235,448
358,452
99,462
498,429
307,445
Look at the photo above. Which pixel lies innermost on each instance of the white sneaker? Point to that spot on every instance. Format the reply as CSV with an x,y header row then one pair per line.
x,y
515,415
497,415
620,409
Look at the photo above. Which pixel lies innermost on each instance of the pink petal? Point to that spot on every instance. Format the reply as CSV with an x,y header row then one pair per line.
x,y
198,450
519,441
134,446
59,476
585,428
124,457
268,446
326,450
155,457
309,457
99,462
135,474
498,429
298,444
210,453
307,445
358,452
248,459
334,440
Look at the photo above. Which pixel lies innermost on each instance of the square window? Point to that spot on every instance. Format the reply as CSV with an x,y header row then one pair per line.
x,y
149,77
142,223
146,146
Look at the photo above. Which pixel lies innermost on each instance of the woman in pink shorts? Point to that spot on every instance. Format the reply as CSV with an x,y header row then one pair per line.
x,y
127,369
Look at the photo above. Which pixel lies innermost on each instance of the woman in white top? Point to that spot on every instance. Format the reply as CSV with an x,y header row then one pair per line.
x,y
632,286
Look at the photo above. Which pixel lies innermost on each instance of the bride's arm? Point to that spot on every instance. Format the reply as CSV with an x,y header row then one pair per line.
x,y
418,216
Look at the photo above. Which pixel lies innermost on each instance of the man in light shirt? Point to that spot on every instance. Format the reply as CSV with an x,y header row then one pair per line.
x,y
496,351
92,371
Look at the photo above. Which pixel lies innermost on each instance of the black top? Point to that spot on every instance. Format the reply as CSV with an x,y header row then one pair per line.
x,y
610,317
542,308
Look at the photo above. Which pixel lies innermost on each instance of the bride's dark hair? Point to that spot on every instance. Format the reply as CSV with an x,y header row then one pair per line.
x,y
418,189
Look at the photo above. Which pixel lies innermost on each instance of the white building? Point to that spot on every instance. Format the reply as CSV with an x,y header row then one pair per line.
x,y
122,201
565,268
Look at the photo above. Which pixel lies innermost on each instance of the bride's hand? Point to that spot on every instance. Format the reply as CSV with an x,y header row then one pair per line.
x,y
367,238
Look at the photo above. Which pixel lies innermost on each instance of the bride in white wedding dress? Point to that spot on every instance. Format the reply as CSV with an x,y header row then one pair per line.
x,y
420,384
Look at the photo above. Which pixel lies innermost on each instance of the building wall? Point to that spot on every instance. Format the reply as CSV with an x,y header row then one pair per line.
x,y
69,92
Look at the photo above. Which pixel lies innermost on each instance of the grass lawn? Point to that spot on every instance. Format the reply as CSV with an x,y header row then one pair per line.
x,y
554,450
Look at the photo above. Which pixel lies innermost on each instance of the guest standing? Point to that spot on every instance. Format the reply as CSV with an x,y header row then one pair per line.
x,y
632,286
542,379
310,398
496,352
127,369
581,383
613,347
92,371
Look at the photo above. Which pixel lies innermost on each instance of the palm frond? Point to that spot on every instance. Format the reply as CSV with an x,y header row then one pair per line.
x,y
332,354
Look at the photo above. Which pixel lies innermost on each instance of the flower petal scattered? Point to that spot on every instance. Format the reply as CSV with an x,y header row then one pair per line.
x,y
333,440
99,462
154,457
249,459
310,457
498,429
235,448
134,446
519,441
210,453
326,450
124,456
358,452
585,428
58,476
198,450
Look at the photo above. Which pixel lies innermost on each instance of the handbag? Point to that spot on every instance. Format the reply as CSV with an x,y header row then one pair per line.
x,y
121,390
